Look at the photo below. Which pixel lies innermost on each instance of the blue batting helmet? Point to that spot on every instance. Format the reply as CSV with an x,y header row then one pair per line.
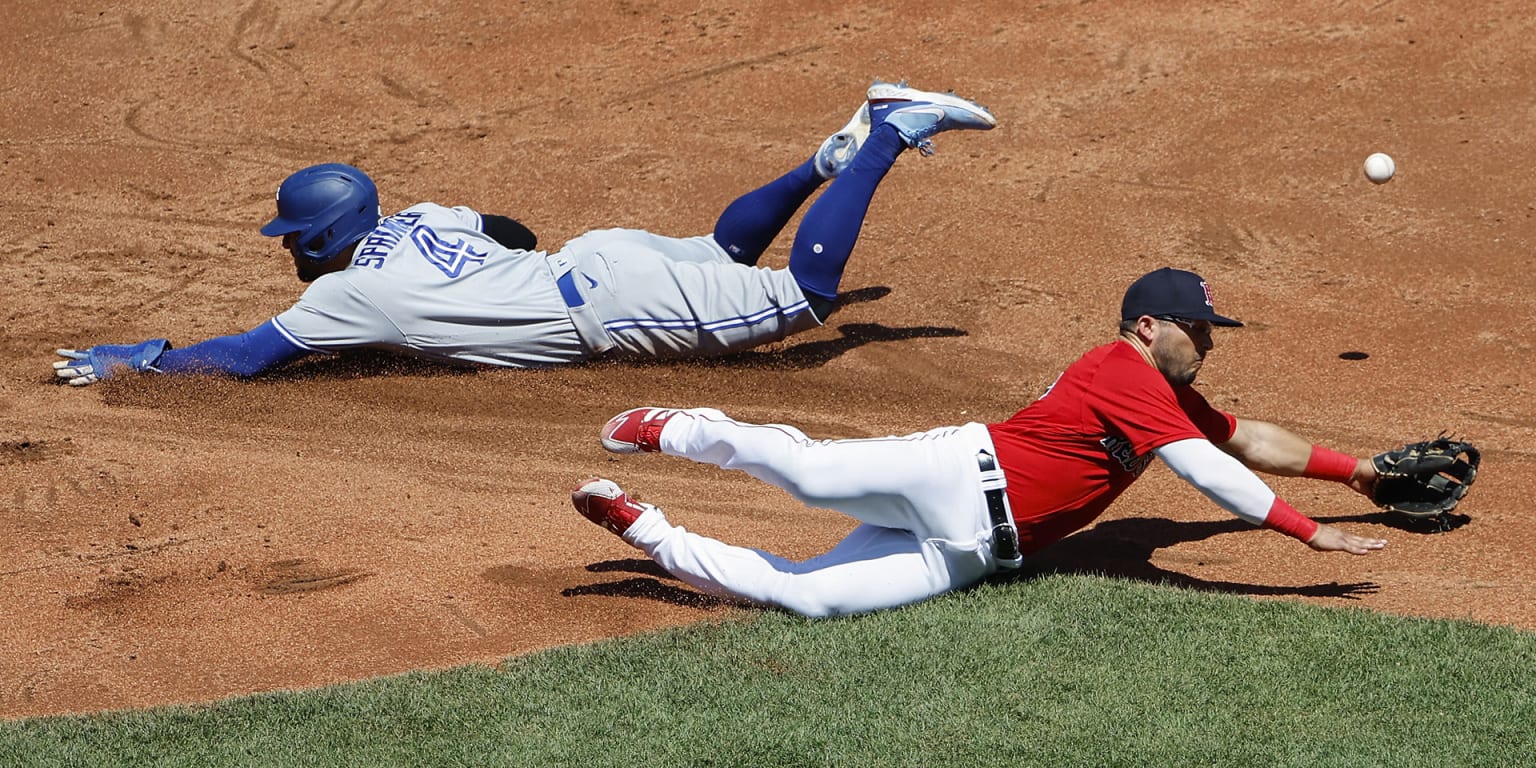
x,y
329,207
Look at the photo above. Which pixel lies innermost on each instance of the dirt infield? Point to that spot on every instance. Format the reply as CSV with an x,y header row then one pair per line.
x,y
187,540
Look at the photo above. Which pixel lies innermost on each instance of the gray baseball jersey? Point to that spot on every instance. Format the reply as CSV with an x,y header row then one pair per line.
x,y
429,281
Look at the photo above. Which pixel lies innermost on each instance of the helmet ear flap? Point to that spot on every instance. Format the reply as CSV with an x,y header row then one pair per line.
x,y
315,247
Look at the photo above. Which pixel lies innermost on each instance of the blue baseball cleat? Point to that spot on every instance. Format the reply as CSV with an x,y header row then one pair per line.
x,y
918,115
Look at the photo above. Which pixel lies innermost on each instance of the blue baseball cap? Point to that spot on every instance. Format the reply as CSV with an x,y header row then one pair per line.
x,y
1174,293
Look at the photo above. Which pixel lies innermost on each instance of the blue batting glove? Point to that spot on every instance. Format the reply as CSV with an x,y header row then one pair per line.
x,y
88,366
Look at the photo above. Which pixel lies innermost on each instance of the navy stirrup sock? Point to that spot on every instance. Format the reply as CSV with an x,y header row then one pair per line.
x,y
831,226
750,223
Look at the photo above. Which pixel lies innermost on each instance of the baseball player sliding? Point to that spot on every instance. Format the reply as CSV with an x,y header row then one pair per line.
x,y
453,284
943,509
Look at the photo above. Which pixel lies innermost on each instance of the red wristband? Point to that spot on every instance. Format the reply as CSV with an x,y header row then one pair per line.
x,y
1284,518
1328,464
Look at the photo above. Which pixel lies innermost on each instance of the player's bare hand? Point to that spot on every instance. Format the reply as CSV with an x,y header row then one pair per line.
x,y
1364,478
1331,539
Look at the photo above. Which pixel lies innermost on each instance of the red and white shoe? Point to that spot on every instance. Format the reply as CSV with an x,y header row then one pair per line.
x,y
636,430
605,503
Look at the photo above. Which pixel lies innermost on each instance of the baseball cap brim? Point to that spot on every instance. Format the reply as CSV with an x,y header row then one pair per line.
x,y
1214,319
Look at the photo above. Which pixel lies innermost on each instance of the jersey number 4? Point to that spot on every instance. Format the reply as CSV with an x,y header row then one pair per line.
x,y
450,257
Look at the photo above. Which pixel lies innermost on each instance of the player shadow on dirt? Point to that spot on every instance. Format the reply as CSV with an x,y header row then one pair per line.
x,y
1117,548
647,585
1123,549
810,354
1449,521
814,354
364,364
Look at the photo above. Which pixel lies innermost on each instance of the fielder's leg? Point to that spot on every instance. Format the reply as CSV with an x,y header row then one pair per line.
x,y
926,529
927,483
871,569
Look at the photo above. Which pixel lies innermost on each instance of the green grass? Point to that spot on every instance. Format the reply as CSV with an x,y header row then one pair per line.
x,y
1059,671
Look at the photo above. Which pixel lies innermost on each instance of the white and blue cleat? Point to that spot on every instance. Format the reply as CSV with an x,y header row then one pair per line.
x,y
919,115
839,148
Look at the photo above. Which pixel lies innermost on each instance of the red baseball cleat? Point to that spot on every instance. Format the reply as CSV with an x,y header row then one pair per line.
x,y
605,503
636,430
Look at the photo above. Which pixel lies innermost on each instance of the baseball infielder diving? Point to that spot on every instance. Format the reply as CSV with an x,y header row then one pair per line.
x,y
453,284
945,508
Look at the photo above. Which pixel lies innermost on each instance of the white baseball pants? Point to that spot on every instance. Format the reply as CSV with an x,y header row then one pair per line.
x,y
925,526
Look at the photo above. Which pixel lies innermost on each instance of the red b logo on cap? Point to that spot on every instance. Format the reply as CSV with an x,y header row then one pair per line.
x,y
1207,288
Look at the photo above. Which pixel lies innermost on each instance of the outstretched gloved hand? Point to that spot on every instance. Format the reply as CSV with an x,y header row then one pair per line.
x,y
88,366
1427,478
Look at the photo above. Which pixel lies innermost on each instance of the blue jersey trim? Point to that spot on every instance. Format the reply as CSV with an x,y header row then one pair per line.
x,y
290,338
684,323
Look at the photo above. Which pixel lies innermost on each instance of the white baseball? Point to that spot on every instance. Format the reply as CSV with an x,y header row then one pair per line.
x,y
1379,168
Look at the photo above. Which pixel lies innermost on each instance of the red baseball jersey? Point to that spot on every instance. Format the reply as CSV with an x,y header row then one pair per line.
x,y
1070,453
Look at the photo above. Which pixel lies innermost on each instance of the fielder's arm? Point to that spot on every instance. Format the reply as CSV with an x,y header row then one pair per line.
x,y
1266,447
1226,481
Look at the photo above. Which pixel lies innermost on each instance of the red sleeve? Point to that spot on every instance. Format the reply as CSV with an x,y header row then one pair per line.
x,y
1140,405
1217,426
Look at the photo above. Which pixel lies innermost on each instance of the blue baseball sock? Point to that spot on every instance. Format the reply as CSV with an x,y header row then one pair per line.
x,y
750,223
831,226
